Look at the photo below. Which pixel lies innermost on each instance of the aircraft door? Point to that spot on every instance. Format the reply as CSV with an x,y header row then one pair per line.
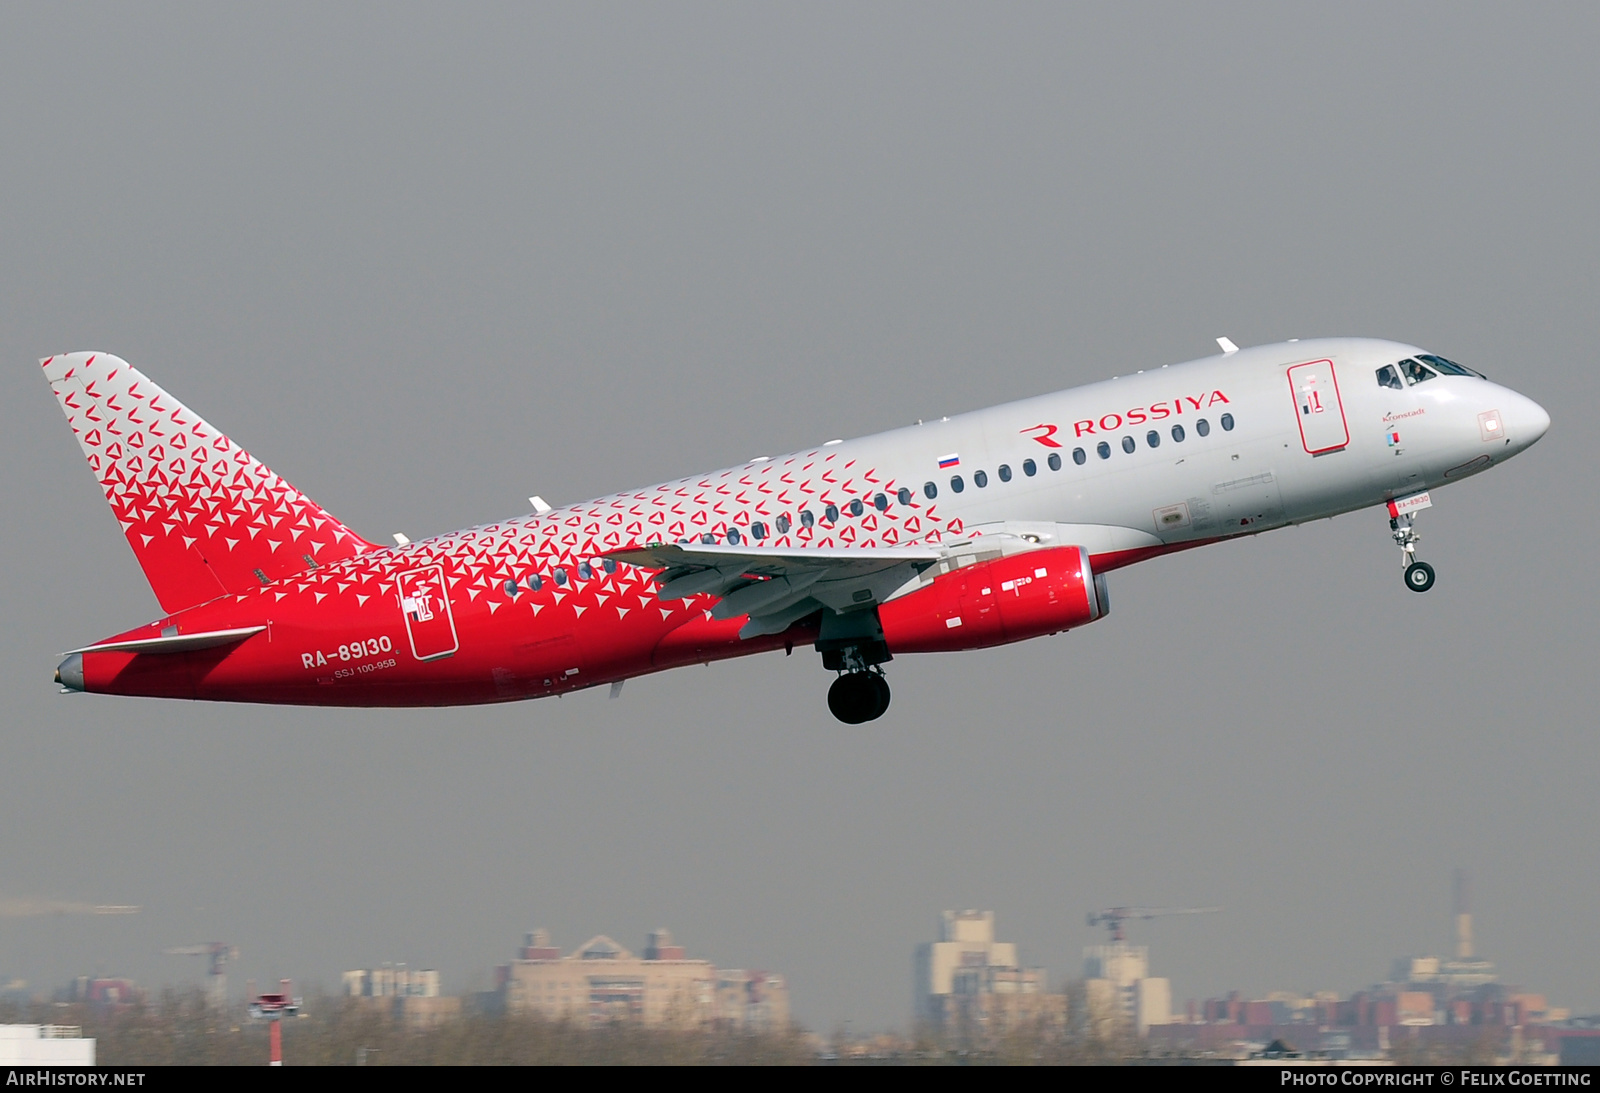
x,y
425,602
1318,407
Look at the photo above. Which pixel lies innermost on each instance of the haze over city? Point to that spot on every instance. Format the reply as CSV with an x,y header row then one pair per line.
x,y
425,263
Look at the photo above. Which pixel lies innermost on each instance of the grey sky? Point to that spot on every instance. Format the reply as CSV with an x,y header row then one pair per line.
x,y
426,261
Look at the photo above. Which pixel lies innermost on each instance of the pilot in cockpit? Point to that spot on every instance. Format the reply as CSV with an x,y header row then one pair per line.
x,y
1416,372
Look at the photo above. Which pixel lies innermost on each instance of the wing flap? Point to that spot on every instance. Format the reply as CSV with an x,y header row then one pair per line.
x,y
837,561
838,578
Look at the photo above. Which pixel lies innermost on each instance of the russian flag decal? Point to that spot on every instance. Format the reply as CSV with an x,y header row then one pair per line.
x,y
951,460
1394,437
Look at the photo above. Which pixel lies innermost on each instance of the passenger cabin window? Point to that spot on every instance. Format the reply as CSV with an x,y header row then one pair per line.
x,y
561,577
1030,468
1078,456
1153,439
1389,376
831,514
806,519
1005,473
1203,427
856,507
783,524
585,571
1103,450
708,538
980,479
1415,371
1054,461
1128,445
956,485
929,490
1177,434
758,530
535,582
903,495
733,536
512,588
880,502
609,565
1227,423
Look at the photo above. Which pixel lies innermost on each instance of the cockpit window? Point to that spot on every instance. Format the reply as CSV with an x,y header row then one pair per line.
x,y
1389,376
1415,371
1449,368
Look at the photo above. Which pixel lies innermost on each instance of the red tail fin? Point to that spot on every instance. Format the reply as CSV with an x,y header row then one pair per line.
x,y
202,516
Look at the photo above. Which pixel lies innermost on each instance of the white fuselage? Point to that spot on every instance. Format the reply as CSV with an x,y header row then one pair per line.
x,y
1250,477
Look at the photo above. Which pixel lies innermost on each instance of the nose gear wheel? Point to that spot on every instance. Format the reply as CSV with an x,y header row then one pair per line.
x,y
1419,576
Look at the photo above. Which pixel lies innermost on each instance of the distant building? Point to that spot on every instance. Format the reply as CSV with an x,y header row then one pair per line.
x,y
969,982
602,982
410,995
102,994
1119,989
751,1000
392,981
45,1045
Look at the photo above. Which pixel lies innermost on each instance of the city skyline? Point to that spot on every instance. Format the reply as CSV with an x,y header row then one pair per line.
x,y
958,929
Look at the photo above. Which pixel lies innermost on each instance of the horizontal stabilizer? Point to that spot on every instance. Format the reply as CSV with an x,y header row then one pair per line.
x,y
173,643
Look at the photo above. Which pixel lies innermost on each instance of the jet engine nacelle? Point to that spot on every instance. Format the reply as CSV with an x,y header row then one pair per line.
x,y
1008,599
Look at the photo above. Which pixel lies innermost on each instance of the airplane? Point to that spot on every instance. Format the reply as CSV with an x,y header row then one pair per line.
x,y
977,530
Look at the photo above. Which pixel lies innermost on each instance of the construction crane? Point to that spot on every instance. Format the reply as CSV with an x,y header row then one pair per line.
x,y
1114,917
218,953
28,908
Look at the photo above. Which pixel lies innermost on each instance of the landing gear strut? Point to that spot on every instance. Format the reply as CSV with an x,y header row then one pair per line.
x,y
858,697
853,646
1419,575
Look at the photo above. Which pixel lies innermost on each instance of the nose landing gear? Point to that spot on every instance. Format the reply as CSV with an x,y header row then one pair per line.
x,y
858,697
1419,575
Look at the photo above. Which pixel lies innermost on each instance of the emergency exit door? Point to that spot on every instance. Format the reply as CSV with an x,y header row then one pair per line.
x,y
1317,407
425,602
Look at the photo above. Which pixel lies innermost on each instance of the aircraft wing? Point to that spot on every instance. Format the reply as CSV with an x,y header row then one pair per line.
x,y
773,562
777,588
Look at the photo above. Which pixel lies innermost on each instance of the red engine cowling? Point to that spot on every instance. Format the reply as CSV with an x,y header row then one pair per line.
x,y
993,603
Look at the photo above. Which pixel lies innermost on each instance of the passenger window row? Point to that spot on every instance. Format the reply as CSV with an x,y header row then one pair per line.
x,y
856,506
782,524
980,479
535,582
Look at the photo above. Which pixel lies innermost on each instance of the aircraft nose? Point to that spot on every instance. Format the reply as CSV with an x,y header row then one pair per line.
x,y
1526,420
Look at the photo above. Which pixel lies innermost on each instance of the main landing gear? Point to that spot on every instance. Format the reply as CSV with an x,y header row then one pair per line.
x,y
1419,575
858,697
853,645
